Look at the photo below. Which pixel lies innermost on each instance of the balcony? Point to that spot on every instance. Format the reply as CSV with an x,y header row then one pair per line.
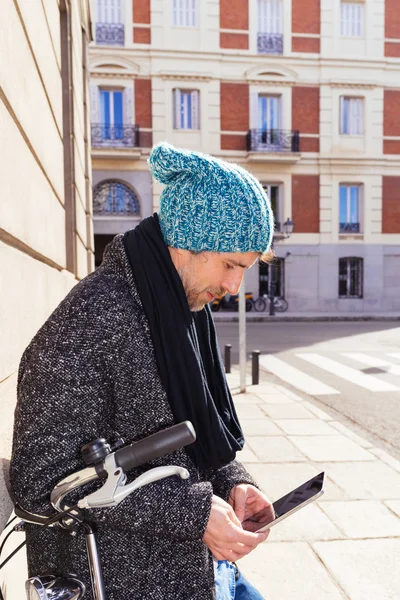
x,y
349,227
115,136
271,145
270,43
110,34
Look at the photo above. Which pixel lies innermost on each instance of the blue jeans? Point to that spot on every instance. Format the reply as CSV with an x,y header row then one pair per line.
x,y
230,588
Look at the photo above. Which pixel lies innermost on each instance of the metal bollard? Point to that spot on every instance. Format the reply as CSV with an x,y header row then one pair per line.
x,y
255,367
228,348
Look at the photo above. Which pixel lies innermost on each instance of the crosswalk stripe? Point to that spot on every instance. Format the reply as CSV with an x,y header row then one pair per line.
x,y
295,377
393,354
368,382
371,361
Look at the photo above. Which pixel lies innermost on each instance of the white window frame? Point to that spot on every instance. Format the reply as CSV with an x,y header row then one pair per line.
x,y
278,215
185,13
352,19
360,196
269,16
109,11
355,115
182,119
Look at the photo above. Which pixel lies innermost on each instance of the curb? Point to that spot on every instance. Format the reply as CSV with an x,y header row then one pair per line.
x,y
233,318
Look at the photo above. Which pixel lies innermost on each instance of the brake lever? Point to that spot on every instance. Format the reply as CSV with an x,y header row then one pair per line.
x,y
114,489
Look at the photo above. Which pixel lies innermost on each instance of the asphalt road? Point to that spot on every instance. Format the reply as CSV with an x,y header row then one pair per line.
x,y
352,358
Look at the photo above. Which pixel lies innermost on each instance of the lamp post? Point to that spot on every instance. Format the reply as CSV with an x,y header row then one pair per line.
x,y
287,230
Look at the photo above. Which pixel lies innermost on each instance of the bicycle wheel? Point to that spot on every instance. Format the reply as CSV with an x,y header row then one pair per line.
x,y
281,305
249,305
260,305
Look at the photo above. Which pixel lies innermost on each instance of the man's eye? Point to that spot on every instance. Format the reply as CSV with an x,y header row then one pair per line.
x,y
228,266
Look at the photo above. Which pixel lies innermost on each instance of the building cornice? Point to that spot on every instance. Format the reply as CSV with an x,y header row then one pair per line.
x,y
184,76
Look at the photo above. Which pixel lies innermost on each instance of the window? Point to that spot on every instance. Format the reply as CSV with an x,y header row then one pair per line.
x,y
350,277
115,198
268,116
109,11
111,111
274,197
186,105
110,23
349,209
351,19
272,278
184,13
351,116
269,35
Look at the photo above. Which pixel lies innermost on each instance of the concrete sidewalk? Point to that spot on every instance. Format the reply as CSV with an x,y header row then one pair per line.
x,y
251,316
347,543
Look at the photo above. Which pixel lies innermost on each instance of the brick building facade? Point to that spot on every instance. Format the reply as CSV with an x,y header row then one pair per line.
x,y
305,94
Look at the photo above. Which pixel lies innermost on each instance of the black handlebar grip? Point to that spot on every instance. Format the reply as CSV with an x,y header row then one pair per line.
x,y
156,445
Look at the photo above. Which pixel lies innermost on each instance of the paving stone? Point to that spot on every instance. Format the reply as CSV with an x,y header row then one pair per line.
x,y
274,449
249,411
288,571
277,399
264,389
350,434
287,411
330,448
362,518
305,427
386,458
246,455
308,523
260,427
241,399
394,505
365,480
365,569
289,393
317,412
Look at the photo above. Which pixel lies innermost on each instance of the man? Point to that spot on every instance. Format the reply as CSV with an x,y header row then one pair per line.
x,y
132,350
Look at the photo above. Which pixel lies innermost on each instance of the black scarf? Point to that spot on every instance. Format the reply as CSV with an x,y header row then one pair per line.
x,y
186,349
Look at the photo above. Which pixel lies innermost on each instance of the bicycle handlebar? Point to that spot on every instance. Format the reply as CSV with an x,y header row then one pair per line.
x,y
156,445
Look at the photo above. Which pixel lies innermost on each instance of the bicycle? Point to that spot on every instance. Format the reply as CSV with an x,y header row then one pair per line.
x,y
104,464
280,304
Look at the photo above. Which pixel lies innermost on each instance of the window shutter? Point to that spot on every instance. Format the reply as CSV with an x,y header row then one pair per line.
x,y
254,124
195,109
177,108
194,13
128,106
343,115
358,116
94,104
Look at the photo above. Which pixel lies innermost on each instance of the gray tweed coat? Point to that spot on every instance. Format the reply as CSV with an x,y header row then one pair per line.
x,y
90,372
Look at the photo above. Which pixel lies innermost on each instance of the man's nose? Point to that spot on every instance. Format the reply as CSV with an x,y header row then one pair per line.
x,y
232,283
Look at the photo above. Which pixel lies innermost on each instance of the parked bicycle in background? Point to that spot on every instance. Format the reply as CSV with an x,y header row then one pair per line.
x,y
280,304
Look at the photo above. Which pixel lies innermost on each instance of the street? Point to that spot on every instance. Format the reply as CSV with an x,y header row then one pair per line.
x,y
351,368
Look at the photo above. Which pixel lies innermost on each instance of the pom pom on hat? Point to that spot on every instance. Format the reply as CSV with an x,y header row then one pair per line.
x,y
209,204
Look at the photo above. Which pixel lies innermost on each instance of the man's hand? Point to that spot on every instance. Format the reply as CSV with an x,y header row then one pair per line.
x,y
251,506
224,534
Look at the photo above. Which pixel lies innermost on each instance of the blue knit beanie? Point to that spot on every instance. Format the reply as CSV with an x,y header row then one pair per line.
x,y
209,204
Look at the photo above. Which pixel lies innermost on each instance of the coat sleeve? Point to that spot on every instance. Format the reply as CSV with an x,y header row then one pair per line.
x,y
65,399
225,478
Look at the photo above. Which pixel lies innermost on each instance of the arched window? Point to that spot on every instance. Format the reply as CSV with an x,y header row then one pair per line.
x,y
115,198
350,277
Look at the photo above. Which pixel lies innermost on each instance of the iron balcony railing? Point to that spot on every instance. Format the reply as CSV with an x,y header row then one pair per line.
x,y
106,136
110,34
349,227
270,43
273,140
